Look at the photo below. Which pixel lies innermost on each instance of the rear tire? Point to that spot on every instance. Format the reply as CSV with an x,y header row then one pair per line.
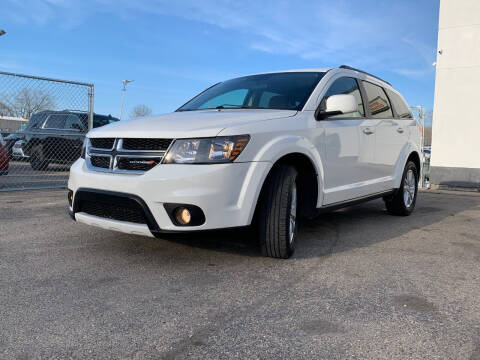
x,y
277,215
37,159
403,202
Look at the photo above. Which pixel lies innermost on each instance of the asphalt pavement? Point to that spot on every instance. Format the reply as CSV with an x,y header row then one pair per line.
x,y
22,176
362,285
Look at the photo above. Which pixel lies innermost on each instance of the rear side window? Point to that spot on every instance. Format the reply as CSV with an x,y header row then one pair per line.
x,y
74,123
378,103
346,85
55,121
99,120
402,110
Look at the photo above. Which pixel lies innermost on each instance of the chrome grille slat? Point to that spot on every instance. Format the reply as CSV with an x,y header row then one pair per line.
x,y
137,159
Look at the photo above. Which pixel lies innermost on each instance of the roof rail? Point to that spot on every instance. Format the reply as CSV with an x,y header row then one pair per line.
x,y
74,110
364,72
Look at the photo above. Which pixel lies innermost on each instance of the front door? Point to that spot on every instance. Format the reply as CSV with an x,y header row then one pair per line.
x,y
348,149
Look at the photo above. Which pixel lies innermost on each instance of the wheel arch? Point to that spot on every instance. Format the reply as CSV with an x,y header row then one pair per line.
x,y
308,178
411,154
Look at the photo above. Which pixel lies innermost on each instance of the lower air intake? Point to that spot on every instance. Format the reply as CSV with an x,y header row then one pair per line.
x,y
133,213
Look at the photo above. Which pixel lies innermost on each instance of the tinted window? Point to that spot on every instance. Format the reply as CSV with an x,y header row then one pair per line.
x,y
377,101
37,119
99,120
401,108
346,85
55,121
74,123
292,91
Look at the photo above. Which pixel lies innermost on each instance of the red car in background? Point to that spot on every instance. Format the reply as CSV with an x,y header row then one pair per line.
x,y
3,157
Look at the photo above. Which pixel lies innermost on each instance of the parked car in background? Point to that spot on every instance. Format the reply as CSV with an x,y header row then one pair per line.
x,y
17,151
4,133
4,159
57,136
427,151
15,136
261,150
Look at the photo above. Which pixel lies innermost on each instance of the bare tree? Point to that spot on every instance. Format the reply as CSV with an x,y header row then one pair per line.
x,y
140,111
5,110
27,102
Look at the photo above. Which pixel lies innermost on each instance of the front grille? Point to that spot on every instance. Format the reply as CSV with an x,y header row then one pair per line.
x,y
110,210
137,163
100,161
136,155
102,143
146,144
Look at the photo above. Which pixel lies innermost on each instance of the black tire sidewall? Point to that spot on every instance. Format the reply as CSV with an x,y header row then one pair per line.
x,y
37,160
274,217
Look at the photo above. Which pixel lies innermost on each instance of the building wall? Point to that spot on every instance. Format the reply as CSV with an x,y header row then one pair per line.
x,y
11,123
456,120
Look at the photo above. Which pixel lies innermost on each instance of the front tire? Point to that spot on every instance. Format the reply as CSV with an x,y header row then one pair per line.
x,y
277,215
403,201
37,159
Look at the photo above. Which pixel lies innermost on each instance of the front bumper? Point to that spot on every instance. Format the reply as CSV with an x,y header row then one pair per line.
x,y
226,193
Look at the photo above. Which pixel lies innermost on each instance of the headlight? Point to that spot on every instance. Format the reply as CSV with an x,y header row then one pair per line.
x,y
221,149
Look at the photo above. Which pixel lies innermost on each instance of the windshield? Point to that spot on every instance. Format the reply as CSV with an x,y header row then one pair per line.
x,y
284,91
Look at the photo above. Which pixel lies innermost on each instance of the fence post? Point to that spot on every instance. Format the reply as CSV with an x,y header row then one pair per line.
x,y
90,107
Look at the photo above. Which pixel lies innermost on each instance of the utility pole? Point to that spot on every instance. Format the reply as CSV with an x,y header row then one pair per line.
x,y
124,89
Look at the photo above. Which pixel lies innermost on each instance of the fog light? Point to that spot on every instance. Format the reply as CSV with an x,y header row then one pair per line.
x,y
183,216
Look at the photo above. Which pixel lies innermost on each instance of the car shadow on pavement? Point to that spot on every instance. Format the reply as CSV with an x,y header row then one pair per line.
x,y
342,230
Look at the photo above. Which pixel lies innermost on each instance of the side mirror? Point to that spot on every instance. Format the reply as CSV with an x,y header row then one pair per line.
x,y
337,105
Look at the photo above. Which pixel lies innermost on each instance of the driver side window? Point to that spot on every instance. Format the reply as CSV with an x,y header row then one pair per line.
x,y
346,85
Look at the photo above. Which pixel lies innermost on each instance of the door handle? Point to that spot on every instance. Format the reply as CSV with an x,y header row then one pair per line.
x,y
367,131
400,130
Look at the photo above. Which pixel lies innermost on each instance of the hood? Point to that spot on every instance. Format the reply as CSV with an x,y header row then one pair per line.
x,y
187,124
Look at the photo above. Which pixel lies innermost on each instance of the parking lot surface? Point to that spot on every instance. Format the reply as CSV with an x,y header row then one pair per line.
x,y
362,284
22,176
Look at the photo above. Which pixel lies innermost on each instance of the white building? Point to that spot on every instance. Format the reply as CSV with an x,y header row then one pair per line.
x,y
456,122
11,123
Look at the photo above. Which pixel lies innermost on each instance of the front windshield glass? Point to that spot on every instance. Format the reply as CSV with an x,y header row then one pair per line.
x,y
284,91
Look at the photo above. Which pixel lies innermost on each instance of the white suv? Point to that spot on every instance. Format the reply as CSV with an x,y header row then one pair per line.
x,y
258,150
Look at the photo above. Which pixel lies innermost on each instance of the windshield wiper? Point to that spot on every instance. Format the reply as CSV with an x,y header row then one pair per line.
x,y
228,106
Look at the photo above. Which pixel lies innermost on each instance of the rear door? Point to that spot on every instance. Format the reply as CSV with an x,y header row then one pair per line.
x,y
390,136
348,147
74,134
52,131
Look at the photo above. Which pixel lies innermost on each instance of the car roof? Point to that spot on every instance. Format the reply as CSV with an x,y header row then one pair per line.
x,y
341,69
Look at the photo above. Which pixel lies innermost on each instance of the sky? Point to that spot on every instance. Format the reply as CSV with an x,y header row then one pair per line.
x,y
175,49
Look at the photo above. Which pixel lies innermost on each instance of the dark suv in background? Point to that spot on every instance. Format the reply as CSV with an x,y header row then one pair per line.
x,y
57,136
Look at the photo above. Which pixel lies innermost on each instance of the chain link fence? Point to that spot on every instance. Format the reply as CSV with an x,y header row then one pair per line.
x,y
43,123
